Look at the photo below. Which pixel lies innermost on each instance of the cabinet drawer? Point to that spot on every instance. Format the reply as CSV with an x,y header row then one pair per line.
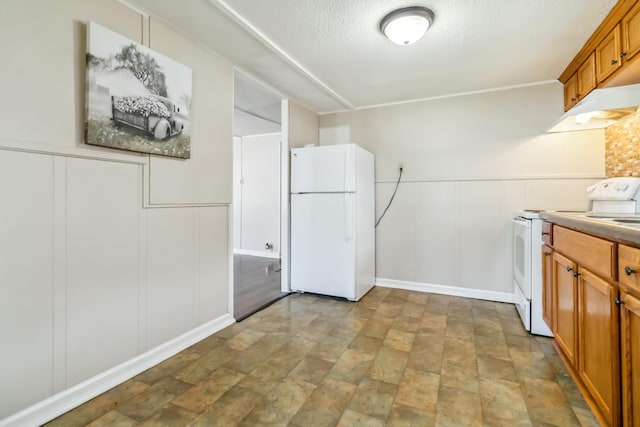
x,y
547,233
598,255
629,266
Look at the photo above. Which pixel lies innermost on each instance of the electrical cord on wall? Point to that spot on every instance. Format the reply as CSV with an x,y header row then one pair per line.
x,y
391,199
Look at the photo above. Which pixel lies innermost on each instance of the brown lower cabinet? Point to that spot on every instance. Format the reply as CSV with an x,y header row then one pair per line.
x,y
598,338
596,327
565,307
630,340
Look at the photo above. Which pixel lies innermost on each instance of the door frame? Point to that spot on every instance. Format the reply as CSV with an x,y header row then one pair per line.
x,y
285,240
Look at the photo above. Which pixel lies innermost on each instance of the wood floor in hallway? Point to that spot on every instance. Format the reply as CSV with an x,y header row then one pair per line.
x,y
256,284
396,358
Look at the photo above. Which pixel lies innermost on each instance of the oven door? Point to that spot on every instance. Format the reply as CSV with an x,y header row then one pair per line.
x,y
522,255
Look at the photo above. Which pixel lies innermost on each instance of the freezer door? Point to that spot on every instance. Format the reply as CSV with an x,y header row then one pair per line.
x,y
323,244
326,169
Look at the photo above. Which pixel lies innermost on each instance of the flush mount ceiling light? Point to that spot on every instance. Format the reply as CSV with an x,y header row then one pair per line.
x,y
407,25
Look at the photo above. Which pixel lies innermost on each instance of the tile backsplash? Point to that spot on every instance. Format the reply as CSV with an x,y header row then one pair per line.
x,y
622,147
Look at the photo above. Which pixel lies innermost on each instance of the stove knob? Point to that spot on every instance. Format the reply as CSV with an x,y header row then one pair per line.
x,y
621,186
591,188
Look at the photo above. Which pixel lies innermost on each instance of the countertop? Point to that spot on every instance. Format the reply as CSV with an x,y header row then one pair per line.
x,y
600,227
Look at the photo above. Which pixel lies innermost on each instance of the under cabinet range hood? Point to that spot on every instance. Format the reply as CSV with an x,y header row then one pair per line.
x,y
599,109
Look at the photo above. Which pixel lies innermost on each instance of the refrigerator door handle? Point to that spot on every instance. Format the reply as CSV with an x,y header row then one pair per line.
x,y
348,216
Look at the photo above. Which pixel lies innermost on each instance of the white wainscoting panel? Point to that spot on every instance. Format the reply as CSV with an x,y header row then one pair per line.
x,y
213,268
102,266
396,238
458,233
60,274
26,279
437,224
485,232
171,263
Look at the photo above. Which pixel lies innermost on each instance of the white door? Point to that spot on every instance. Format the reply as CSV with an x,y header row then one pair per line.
x,y
323,244
327,169
261,195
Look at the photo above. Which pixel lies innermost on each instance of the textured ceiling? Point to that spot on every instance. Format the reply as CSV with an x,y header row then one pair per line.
x,y
329,54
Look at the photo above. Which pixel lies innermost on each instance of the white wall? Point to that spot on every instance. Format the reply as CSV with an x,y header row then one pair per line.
x,y
257,194
91,276
246,124
206,177
299,128
469,161
302,125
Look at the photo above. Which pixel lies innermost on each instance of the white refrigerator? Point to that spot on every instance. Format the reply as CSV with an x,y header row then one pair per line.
x,y
332,220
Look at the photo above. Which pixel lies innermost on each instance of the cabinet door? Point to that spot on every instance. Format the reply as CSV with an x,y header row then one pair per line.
x,y
631,33
598,337
570,91
629,266
565,310
608,55
586,77
547,282
630,332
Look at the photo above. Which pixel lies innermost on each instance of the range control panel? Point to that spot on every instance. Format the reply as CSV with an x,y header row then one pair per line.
x,y
615,189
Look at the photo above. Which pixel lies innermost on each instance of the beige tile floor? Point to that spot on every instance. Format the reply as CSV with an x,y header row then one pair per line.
x,y
396,358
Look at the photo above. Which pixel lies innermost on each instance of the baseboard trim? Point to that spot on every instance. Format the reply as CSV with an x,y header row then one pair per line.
x,y
68,399
262,254
446,290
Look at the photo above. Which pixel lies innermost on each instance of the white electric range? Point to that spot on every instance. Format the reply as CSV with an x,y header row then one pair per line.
x,y
527,270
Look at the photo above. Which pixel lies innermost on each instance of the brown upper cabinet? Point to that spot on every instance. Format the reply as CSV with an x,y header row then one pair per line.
x,y
631,33
609,56
581,83
608,52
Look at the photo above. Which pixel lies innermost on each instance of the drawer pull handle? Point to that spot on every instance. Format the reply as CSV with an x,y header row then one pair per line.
x,y
569,269
576,274
629,271
545,233
547,253
618,302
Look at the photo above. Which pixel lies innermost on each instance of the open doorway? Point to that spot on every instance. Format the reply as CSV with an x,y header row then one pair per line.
x,y
257,196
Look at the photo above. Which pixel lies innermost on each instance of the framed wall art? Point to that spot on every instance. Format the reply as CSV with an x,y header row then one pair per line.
x,y
137,99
